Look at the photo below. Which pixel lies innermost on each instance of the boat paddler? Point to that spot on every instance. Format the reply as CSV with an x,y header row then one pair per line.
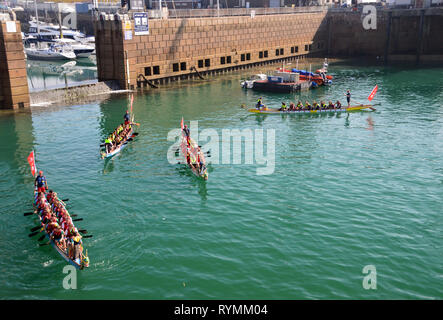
x,y
307,105
283,106
188,155
46,216
108,145
58,235
299,105
200,160
338,105
193,160
323,105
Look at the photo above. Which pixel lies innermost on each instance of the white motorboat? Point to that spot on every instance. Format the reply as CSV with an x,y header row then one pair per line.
x,y
47,32
81,50
249,83
53,52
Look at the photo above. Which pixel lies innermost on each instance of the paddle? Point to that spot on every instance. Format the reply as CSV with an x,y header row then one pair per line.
x,y
34,234
41,238
80,219
35,228
84,231
44,244
28,213
135,134
376,104
89,236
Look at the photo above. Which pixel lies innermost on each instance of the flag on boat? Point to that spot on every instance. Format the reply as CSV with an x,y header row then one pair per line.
x,y
132,100
373,92
182,124
31,161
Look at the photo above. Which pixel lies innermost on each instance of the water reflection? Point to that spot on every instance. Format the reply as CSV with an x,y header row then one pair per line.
x,y
108,166
184,171
17,133
44,75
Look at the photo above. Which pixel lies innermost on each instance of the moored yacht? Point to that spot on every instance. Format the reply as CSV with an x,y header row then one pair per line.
x,y
52,52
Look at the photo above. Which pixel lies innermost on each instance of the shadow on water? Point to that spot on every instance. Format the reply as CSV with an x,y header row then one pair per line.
x,y
195,181
108,166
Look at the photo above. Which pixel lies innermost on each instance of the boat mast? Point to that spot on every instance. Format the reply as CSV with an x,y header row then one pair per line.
x,y
60,23
36,16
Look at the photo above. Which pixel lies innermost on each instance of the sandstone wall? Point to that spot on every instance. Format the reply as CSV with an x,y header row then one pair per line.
x,y
14,91
174,46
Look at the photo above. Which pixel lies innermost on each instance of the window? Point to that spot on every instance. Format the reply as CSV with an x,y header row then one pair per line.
x,y
292,49
260,55
207,62
175,67
310,47
222,60
265,53
147,71
242,57
248,56
200,63
183,66
296,49
282,51
156,69
277,52
228,59
306,47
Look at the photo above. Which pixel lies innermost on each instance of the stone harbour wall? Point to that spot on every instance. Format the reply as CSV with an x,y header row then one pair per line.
x,y
14,91
174,47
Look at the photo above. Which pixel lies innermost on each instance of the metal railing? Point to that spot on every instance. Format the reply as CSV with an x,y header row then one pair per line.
x,y
202,13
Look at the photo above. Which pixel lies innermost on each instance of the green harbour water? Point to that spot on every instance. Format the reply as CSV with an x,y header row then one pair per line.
x,y
347,191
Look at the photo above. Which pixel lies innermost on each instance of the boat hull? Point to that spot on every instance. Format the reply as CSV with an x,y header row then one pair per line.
x,y
279,87
120,148
183,146
343,109
48,56
62,253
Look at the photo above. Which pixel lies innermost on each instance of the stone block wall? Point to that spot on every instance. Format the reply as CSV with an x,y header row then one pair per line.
x,y
349,38
397,33
174,46
14,91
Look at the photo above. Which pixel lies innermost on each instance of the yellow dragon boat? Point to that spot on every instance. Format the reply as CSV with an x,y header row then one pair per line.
x,y
266,110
